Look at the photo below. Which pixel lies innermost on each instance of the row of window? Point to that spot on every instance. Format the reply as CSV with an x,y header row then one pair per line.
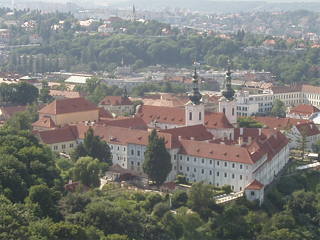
x,y
63,146
233,165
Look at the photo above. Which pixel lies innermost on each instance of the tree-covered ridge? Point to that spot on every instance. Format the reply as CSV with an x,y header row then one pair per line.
x,y
143,44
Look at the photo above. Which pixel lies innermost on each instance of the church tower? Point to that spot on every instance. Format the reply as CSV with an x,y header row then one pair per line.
x,y
227,103
194,108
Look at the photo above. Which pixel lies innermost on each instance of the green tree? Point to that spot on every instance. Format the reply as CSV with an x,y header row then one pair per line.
x,y
97,148
278,109
316,146
201,199
87,171
302,140
157,162
179,199
41,198
248,122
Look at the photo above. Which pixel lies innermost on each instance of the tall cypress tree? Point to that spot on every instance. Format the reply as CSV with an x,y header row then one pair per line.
x,y
157,162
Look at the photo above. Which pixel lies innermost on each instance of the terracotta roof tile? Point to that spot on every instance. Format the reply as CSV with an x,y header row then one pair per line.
x,y
103,113
279,123
68,105
216,151
133,123
304,110
255,185
162,114
44,122
57,135
311,128
196,132
115,101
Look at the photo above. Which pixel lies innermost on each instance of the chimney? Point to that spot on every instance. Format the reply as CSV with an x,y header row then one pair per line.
x,y
192,138
179,137
249,139
240,141
260,131
241,131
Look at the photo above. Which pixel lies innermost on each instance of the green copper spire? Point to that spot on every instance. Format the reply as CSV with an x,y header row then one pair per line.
x,y
195,95
228,91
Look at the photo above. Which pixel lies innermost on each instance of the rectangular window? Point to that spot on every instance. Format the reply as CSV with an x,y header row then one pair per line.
x,y
210,172
180,157
202,171
247,167
71,145
138,163
124,149
138,153
240,177
175,156
202,160
210,161
232,175
225,164
195,160
232,165
132,152
180,168
195,170
118,148
218,163
63,146
240,166
132,163
187,158
225,174
187,169
217,184
55,147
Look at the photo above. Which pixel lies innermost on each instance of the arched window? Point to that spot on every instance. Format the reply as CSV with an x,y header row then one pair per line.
x,y
190,115
199,115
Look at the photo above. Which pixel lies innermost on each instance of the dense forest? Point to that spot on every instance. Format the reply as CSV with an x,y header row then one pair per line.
x,y
141,44
34,205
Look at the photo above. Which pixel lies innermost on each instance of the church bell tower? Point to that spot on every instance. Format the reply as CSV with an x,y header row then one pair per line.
x,y
227,103
194,108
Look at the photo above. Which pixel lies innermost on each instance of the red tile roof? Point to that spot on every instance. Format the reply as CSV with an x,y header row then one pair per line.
x,y
162,114
310,127
215,151
44,122
72,187
304,110
286,89
216,120
103,113
7,112
177,116
141,138
133,123
68,105
67,94
196,132
279,123
115,101
255,185
57,135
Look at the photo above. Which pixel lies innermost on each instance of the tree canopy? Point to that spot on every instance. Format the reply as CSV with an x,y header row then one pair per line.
x,y
157,162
